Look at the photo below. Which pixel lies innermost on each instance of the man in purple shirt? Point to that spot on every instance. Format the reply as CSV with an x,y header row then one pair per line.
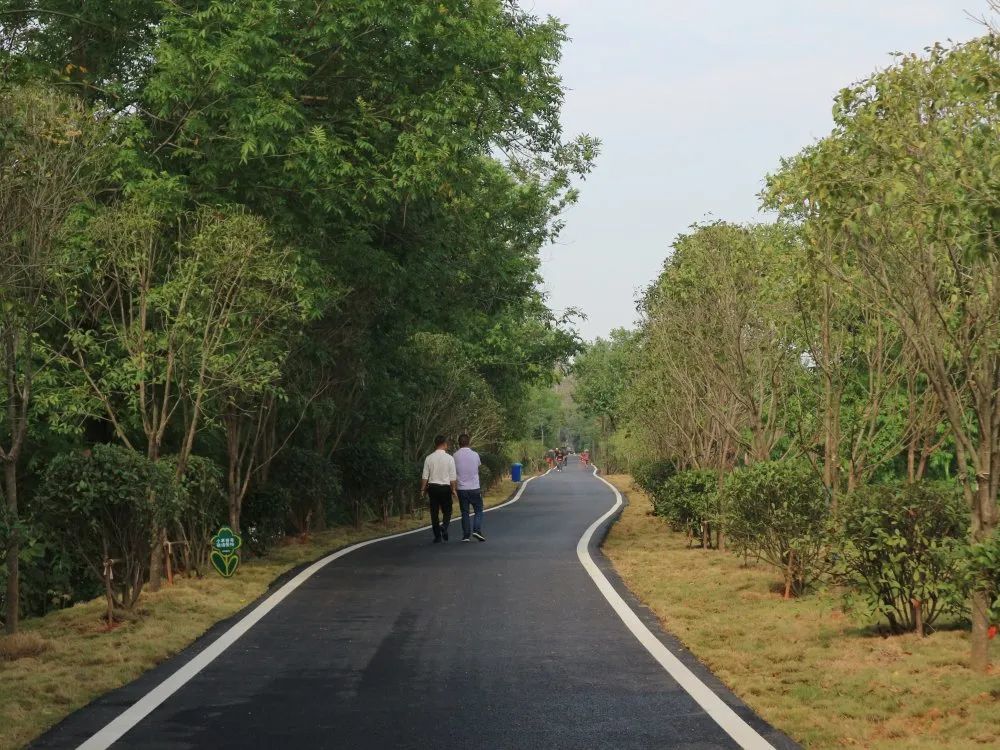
x,y
467,467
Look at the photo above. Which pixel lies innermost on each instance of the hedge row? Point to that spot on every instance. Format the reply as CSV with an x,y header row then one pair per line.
x,y
900,550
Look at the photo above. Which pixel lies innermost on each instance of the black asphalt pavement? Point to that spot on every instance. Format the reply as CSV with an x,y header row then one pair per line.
x,y
408,644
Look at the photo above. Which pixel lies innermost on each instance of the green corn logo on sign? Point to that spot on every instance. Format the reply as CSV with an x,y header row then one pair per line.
x,y
224,552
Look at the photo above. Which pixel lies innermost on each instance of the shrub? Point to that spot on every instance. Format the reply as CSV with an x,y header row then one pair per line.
x,y
899,550
529,453
778,511
301,493
308,484
263,520
650,475
375,477
689,501
492,470
203,507
983,572
104,504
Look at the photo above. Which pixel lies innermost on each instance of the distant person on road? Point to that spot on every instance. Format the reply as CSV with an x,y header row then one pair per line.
x,y
440,481
469,493
550,457
559,459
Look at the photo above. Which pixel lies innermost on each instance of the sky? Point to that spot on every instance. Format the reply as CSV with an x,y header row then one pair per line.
x,y
695,101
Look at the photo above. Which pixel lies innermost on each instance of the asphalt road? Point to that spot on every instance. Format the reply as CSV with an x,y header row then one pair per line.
x,y
408,644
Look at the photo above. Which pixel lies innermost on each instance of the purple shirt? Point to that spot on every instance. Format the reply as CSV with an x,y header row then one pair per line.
x,y
467,466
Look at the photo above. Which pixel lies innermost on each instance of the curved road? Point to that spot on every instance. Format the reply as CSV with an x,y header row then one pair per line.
x,y
404,644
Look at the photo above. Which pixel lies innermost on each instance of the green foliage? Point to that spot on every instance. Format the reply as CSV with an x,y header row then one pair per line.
x,y
287,181
529,453
982,565
689,501
900,551
492,469
307,484
651,474
602,373
103,504
372,474
264,520
778,511
203,506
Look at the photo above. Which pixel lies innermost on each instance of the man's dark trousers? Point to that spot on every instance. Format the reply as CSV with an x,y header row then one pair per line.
x,y
475,499
440,497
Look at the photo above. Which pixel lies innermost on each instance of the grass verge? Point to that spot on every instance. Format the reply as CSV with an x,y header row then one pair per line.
x,y
822,676
66,659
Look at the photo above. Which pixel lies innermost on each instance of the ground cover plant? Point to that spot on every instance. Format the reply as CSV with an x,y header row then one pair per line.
x,y
825,676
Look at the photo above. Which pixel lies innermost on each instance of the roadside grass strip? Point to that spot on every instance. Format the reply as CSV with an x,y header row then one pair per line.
x,y
824,676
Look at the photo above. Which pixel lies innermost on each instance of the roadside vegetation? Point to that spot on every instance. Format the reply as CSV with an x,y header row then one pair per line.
x,y
825,676
254,256
818,399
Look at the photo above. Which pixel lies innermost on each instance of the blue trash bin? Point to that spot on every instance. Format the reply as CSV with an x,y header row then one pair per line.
x,y
515,473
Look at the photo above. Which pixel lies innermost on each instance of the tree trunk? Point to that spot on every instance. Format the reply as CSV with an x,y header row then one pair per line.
x,y
789,573
983,527
159,534
235,508
13,613
980,659
109,593
916,607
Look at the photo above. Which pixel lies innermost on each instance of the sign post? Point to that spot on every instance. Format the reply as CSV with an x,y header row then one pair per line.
x,y
225,546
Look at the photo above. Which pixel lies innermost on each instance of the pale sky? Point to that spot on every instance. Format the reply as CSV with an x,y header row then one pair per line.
x,y
695,102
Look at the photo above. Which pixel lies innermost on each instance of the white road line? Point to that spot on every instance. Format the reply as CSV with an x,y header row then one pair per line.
x,y
745,735
117,727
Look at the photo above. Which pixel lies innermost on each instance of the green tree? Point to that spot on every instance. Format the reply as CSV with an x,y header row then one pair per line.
x,y
51,149
907,180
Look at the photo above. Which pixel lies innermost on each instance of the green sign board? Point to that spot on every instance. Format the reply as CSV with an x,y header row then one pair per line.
x,y
225,546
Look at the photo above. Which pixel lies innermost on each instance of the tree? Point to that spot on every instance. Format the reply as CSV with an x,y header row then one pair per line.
x,y
720,327
102,504
178,324
908,180
51,147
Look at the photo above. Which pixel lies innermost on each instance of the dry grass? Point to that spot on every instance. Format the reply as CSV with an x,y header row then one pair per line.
x,y
21,646
821,676
75,659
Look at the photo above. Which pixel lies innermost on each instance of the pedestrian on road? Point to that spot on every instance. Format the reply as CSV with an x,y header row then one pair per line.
x,y
469,493
440,481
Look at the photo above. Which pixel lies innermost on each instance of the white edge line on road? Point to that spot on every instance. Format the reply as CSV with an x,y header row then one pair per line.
x,y
745,735
117,727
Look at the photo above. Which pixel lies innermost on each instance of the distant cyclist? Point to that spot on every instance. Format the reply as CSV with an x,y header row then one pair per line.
x,y
550,457
560,459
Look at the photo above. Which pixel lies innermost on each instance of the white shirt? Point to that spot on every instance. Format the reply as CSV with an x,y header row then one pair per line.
x,y
467,463
439,468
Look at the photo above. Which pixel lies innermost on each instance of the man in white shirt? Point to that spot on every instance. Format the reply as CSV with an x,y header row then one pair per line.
x,y
467,466
439,481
